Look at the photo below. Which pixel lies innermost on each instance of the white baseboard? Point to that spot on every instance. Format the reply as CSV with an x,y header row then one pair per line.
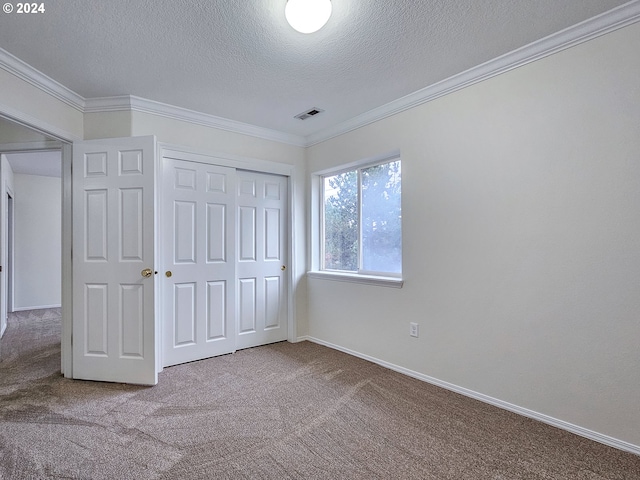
x,y
38,307
576,429
4,329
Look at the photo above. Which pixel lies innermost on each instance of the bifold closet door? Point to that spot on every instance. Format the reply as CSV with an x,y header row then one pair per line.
x,y
200,256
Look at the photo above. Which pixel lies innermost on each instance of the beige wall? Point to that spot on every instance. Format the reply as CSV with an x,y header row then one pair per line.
x,y
213,140
521,239
107,125
26,103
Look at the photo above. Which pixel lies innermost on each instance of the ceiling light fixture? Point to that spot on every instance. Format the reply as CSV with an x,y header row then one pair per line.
x,y
307,16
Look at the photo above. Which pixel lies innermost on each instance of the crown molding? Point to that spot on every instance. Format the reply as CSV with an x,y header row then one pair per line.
x,y
594,27
612,20
143,105
26,72
198,118
119,103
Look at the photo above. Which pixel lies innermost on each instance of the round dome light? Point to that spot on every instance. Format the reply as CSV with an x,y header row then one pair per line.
x,y
307,16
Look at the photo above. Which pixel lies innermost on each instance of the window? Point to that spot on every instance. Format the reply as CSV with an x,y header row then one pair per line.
x,y
361,220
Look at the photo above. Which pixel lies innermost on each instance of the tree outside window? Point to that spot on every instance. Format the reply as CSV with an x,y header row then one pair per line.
x,y
363,220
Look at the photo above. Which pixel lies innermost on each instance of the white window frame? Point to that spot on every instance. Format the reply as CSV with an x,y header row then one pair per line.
x,y
317,227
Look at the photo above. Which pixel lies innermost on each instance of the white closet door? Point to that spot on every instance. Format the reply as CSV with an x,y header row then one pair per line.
x,y
199,287
113,261
262,247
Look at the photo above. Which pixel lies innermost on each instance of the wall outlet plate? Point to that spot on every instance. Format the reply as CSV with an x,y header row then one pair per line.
x,y
413,329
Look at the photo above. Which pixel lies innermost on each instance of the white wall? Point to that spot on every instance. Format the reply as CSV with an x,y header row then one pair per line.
x,y
521,239
38,247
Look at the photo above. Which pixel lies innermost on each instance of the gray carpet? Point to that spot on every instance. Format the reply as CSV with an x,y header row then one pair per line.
x,y
283,411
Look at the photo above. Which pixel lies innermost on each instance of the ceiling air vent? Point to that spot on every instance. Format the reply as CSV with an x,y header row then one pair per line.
x,y
308,113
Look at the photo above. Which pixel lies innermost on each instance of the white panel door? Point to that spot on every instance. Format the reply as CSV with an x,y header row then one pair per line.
x,y
199,279
262,247
113,260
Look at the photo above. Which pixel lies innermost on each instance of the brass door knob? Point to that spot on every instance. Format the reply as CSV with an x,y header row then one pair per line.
x,y
283,268
168,273
146,273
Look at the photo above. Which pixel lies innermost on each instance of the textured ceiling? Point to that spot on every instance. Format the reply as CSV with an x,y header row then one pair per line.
x,y
240,60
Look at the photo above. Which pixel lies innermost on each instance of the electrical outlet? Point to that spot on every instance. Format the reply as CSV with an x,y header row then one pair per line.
x,y
413,329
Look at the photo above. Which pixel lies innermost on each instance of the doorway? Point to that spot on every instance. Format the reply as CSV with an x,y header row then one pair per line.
x,y
18,142
33,230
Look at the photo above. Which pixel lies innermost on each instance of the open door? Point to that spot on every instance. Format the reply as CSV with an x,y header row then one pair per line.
x,y
114,335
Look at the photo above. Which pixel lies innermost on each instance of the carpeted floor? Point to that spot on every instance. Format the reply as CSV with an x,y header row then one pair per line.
x,y
283,411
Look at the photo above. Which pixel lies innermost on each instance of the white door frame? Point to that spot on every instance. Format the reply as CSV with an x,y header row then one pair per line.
x,y
6,191
63,141
244,163
10,245
67,266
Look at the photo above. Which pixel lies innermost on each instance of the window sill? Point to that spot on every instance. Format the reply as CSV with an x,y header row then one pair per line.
x,y
392,282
